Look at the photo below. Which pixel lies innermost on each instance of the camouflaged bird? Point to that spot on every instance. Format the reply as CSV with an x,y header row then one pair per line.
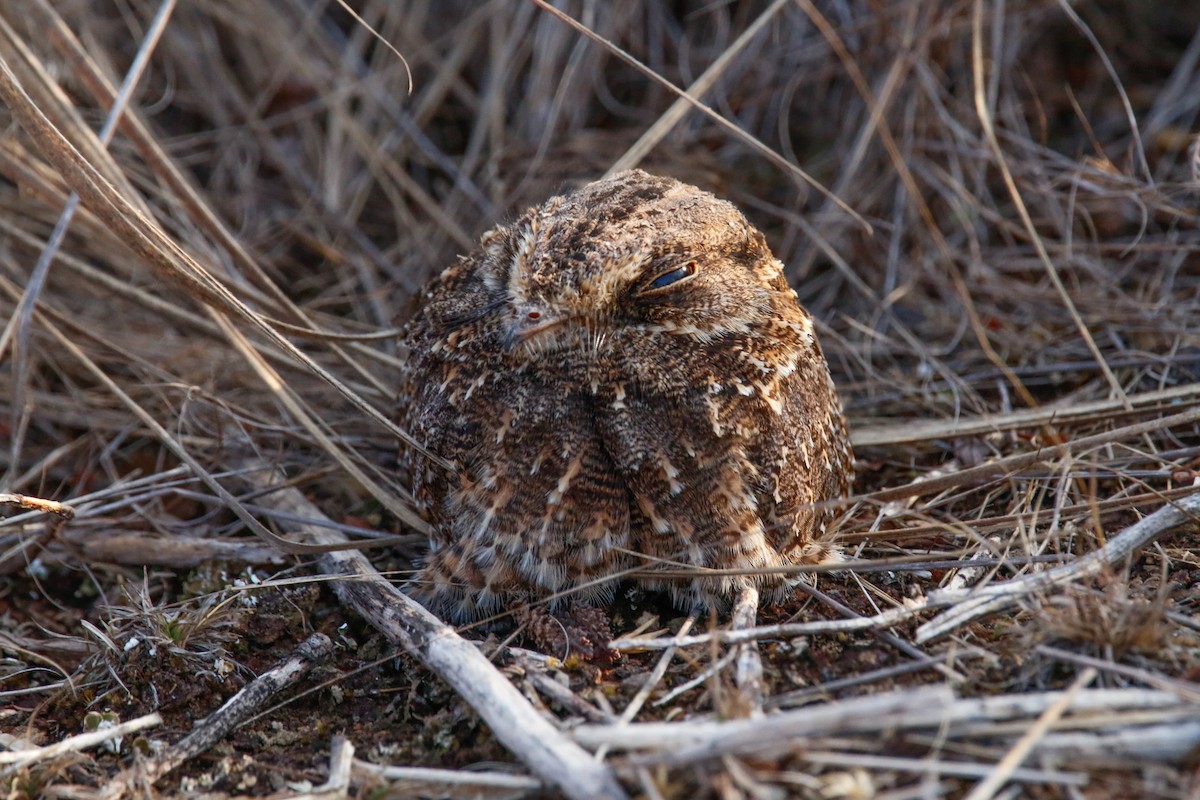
x,y
623,381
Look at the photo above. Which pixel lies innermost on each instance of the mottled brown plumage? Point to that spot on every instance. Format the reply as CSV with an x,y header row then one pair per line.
x,y
623,379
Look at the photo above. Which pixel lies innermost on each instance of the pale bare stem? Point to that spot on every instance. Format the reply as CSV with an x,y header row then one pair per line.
x,y
987,600
26,756
930,709
656,675
424,779
989,786
783,631
38,504
749,671
917,430
21,552
341,764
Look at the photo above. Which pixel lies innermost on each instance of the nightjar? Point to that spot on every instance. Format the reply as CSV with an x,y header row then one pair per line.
x,y
625,385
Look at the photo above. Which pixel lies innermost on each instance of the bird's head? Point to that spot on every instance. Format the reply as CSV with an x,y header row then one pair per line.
x,y
623,257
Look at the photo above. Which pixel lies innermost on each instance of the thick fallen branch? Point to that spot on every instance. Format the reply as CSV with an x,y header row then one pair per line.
x,y
684,742
555,759
1117,714
1168,743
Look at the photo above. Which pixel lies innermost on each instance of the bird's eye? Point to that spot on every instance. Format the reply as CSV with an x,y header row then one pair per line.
x,y
674,276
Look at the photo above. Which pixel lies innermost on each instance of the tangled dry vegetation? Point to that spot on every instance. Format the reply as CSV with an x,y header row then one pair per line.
x,y
989,206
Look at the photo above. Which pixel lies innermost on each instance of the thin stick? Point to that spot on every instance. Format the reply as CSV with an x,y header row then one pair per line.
x,y
905,431
62,510
987,600
784,631
1184,690
427,776
236,710
829,688
18,555
1004,467
21,759
656,675
748,674
986,789
940,767
341,765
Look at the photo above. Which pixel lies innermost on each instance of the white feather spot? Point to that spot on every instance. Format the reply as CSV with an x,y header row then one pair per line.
x,y
773,403
671,472
714,416
618,403
555,497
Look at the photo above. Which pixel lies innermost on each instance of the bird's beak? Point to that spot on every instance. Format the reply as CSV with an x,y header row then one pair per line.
x,y
527,324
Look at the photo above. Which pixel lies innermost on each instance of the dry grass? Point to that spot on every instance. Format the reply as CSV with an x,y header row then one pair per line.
x,y
989,207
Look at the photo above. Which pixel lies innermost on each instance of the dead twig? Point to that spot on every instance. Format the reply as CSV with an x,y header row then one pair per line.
x,y
413,778
141,777
1119,713
933,766
987,788
341,765
782,631
748,674
62,510
987,600
19,554
687,742
26,757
